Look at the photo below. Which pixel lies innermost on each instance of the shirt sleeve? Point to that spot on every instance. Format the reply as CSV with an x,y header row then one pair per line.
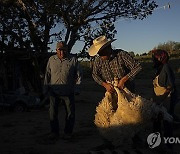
x,y
132,64
96,72
166,77
170,77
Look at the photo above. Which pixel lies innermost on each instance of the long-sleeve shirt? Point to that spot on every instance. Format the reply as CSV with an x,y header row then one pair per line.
x,y
62,75
119,65
166,80
167,77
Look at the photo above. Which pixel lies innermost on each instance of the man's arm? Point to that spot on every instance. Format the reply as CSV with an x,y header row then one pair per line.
x,y
97,76
167,78
96,73
133,65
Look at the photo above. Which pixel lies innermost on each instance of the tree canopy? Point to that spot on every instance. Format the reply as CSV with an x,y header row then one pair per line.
x,y
34,24
171,46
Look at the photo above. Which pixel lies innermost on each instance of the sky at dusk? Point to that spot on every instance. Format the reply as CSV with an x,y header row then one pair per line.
x,y
141,36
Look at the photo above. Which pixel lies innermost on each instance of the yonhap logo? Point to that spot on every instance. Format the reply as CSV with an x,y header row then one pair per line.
x,y
154,140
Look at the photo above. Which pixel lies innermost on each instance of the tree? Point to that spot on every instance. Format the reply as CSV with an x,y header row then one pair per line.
x,y
132,53
26,25
137,55
170,46
32,21
177,47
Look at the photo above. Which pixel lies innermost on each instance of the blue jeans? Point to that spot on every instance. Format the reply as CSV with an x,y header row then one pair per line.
x,y
70,113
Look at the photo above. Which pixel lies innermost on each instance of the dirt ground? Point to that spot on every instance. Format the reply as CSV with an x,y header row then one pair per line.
x,y
21,133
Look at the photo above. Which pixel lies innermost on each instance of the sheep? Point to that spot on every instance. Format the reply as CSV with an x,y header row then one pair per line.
x,y
122,115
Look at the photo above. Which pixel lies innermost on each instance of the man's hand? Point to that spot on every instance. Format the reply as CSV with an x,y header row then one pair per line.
x,y
122,82
169,89
109,87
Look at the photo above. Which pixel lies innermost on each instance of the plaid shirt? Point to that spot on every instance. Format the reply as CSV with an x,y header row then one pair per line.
x,y
119,65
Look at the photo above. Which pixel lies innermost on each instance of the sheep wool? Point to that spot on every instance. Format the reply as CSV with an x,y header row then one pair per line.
x,y
120,116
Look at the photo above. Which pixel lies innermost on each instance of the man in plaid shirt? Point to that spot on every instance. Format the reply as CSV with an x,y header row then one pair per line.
x,y
112,63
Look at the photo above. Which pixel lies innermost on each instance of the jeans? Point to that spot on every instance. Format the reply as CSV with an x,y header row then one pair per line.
x,y
70,113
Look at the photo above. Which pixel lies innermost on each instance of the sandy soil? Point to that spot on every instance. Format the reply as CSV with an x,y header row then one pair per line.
x,y
21,133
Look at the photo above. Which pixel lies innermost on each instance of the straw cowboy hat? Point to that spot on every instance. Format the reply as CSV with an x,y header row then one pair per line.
x,y
98,44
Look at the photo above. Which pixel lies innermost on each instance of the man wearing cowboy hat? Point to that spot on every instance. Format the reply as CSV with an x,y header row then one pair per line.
x,y
62,75
112,63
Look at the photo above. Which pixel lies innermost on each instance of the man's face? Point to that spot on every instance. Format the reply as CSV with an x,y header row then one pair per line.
x,y
156,62
61,53
105,53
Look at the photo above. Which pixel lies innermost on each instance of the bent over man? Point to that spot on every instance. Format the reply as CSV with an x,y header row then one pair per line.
x,y
112,63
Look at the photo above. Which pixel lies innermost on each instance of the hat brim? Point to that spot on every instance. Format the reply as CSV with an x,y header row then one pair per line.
x,y
94,51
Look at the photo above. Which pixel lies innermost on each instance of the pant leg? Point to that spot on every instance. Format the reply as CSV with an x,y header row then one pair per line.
x,y
53,112
168,131
70,115
157,124
173,102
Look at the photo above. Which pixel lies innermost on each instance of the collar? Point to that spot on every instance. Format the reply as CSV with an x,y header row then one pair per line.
x,y
112,56
56,58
